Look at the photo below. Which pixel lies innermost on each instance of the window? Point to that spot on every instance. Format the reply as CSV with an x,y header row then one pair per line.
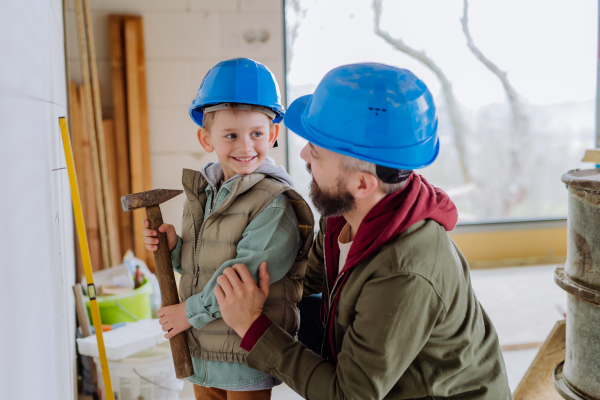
x,y
500,160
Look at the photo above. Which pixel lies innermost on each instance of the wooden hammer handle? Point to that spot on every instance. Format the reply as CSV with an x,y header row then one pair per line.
x,y
168,291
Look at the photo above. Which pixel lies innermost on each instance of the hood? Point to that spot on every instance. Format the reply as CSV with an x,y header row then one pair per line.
x,y
418,201
213,172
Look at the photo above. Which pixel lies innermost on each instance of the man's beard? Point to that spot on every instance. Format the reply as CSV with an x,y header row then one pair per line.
x,y
331,204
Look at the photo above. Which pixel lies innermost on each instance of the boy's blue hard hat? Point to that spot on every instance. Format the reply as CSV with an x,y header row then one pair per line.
x,y
239,80
373,112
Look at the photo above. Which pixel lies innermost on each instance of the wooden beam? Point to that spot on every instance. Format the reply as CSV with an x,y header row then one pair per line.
x,y
90,208
99,193
146,155
117,63
141,59
111,228
77,140
537,384
136,139
111,162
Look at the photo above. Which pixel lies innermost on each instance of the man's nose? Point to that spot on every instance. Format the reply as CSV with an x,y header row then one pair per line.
x,y
304,154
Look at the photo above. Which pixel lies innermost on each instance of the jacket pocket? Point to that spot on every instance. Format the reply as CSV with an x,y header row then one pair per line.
x,y
344,315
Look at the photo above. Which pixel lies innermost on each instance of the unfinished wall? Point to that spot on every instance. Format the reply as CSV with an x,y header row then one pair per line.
x,y
183,39
37,335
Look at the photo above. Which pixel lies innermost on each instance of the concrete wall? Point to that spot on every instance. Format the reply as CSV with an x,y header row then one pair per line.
x,y
37,335
183,40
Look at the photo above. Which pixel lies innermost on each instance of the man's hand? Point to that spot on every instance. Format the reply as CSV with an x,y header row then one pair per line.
x,y
240,300
150,236
173,319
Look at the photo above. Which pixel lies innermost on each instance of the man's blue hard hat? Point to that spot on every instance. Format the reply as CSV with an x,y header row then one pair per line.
x,y
240,80
373,112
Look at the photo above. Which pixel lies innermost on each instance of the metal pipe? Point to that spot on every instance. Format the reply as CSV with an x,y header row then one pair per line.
x,y
579,377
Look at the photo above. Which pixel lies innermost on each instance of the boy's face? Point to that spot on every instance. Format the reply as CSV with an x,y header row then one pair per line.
x,y
241,140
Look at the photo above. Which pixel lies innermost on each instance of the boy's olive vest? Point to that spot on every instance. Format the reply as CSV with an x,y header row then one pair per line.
x,y
208,244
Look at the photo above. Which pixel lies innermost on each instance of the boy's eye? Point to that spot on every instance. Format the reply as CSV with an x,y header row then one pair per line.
x,y
231,136
257,134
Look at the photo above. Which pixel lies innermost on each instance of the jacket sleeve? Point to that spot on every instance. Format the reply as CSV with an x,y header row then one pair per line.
x,y
315,269
273,236
176,256
391,327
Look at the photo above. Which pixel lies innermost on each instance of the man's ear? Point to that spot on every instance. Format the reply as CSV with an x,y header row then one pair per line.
x,y
204,139
273,134
362,184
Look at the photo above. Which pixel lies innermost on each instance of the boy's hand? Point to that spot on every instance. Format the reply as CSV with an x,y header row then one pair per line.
x,y
240,300
173,319
151,240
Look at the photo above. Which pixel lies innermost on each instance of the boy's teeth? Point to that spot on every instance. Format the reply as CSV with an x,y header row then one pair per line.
x,y
243,159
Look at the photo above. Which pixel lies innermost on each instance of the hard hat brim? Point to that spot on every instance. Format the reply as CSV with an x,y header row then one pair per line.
x,y
197,114
294,119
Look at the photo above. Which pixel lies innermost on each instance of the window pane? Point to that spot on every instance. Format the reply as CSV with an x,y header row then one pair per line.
x,y
513,153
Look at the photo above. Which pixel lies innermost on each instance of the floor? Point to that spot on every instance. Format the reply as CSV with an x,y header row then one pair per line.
x,y
524,303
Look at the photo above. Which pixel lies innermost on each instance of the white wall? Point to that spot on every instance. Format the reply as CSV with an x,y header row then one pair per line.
x,y
37,328
183,40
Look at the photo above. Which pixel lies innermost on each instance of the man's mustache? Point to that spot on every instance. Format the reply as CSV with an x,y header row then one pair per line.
x,y
308,168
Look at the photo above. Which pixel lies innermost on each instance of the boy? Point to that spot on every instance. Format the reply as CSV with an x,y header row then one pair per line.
x,y
240,210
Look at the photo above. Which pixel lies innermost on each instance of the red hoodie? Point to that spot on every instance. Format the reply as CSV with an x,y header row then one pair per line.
x,y
418,201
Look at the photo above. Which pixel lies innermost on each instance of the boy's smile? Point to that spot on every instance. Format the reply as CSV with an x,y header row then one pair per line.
x,y
240,138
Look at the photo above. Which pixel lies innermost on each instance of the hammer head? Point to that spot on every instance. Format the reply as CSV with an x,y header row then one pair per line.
x,y
147,199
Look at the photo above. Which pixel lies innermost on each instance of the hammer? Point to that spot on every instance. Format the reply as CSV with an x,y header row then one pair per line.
x,y
164,268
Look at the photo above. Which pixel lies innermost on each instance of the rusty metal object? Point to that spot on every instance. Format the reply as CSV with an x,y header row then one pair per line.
x,y
578,378
564,389
574,288
164,268
147,199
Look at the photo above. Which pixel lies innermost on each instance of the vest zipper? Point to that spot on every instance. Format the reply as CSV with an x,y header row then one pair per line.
x,y
199,240
214,200
196,275
205,373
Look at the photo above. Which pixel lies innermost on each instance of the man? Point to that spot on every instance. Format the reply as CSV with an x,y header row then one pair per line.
x,y
401,318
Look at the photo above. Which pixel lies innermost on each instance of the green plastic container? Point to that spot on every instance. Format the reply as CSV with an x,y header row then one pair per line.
x,y
127,307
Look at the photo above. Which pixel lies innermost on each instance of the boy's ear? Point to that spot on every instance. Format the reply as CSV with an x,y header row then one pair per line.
x,y
273,134
204,139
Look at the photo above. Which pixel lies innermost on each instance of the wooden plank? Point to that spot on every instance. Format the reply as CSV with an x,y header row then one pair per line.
x,y
76,139
111,228
117,63
141,59
136,140
90,208
111,161
146,155
91,125
537,384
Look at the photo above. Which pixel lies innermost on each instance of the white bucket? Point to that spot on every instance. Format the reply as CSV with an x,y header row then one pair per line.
x,y
147,375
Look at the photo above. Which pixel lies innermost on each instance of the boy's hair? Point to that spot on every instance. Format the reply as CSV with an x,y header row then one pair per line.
x,y
208,118
352,164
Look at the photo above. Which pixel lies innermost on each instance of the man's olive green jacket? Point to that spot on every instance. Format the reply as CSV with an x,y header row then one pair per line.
x,y
407,326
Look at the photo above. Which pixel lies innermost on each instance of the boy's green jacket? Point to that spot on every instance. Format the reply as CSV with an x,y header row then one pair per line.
x,y
407,324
